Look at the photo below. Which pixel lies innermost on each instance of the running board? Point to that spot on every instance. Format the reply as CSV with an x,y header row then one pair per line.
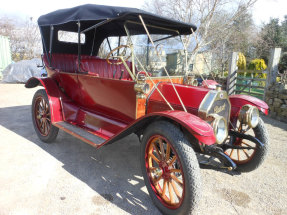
x,y
80,133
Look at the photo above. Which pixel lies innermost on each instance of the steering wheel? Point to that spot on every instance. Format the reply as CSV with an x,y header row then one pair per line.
x,y
125,58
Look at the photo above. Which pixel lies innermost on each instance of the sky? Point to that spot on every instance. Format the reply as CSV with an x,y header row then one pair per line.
x,y
262,11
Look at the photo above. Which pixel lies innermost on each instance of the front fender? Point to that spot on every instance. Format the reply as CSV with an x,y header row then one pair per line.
x,y
53,93
237,101
200,129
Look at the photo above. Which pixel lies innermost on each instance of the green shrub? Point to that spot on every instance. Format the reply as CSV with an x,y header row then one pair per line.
x,y
257,64
241,62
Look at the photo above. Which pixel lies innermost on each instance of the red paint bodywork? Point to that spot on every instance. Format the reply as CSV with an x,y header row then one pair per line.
x,y
53,95
108,107
196,126
190,95
115,98
237,101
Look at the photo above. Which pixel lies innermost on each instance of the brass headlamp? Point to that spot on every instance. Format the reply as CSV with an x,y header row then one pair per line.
x,y
249,115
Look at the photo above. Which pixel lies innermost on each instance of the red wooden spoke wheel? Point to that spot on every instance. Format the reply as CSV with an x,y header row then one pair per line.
x,y
242,156
164,171
170,168
249,159
42,116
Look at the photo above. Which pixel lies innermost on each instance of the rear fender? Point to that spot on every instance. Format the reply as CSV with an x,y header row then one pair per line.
x,y
53,93
200,129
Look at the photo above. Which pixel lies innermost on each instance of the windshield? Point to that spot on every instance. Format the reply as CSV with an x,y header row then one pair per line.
x,y
169,53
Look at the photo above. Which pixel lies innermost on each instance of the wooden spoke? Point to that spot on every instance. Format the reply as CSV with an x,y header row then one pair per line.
x,y
152,168
46,126
167,154
175,189
246,144
154,157
164,188
172,161
161,148
179,182
246,130
240,128
232,150
247,155
175,170
238,155
171,197
157,180
41,123
41,104
156,149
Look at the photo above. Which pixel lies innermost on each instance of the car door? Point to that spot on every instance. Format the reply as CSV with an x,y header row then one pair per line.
x,y
107,90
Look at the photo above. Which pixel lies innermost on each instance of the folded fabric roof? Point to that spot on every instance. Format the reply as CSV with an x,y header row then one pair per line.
x,y
88,15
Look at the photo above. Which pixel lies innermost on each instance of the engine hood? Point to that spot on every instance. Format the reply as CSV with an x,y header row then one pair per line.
x,y
191,97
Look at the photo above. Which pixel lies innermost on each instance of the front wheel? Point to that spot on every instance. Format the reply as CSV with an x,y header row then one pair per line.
x,y
249,159
170,169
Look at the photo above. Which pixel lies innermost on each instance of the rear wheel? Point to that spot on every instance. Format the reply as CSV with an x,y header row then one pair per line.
x,y
249,159
170,169
41,117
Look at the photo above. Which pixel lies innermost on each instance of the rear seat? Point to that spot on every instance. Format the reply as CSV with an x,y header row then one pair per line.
x,y
63,62
91,65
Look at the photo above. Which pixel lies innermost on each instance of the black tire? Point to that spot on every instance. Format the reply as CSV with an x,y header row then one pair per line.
x,y
53,131
261,134
189,166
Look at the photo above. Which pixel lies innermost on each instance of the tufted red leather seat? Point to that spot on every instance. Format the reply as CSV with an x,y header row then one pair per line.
x,y
63,62
99,67
91,65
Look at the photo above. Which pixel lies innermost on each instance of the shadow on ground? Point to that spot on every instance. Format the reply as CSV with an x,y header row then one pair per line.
x,y
112,171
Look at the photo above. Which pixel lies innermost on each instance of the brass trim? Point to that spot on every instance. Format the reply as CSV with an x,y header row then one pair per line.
x,y
245,115
215,123
211,97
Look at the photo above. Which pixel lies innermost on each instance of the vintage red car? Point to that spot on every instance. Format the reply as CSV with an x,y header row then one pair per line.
x,y
101,100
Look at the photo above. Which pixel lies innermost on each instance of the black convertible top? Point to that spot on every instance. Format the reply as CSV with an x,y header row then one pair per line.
x,y
116,17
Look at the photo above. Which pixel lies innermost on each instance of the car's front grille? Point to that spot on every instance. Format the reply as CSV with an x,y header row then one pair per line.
x,y
215,102
220,107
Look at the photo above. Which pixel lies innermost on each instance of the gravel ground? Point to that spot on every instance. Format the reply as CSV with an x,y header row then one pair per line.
x,y
71,177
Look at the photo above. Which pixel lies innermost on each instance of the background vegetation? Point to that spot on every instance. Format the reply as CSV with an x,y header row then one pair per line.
x,y
224,26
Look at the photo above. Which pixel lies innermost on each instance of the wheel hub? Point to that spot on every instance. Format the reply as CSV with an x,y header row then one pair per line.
x,y
165,169
238,141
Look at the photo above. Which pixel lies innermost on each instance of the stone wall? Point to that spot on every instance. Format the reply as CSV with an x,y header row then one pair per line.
x,y
276,98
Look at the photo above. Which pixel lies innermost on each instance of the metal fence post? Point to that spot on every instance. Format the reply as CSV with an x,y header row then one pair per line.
x,y
232,74
272,68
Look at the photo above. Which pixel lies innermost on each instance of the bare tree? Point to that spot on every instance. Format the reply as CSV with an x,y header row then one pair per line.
x,y
24,38
214,18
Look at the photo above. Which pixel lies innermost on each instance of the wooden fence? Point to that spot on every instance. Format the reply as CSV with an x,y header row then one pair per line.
x,y
253,84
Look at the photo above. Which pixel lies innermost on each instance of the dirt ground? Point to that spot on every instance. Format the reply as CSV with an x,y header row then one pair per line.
x,y
70,177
